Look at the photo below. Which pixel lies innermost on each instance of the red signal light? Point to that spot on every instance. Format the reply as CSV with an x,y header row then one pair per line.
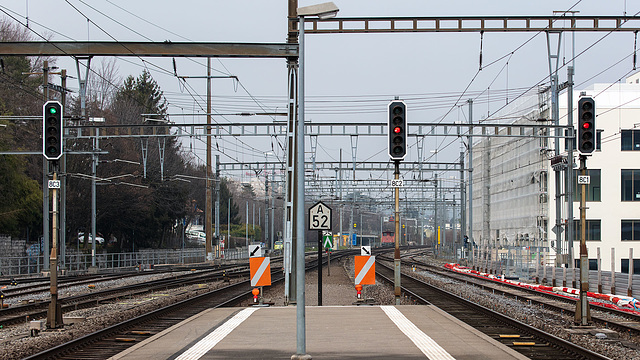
x,y
397,130
587,125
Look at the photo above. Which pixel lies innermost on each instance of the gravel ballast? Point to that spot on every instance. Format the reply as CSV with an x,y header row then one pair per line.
x,y
338,290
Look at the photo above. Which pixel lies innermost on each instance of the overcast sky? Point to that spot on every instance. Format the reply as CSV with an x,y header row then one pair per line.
x,y
360,73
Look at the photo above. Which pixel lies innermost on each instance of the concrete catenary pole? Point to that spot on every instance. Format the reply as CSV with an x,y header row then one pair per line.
x,y
208,195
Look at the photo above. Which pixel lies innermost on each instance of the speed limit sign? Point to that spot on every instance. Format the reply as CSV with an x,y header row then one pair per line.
x,y
320,217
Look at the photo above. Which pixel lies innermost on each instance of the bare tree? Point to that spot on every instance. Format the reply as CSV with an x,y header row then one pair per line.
x,y
103,84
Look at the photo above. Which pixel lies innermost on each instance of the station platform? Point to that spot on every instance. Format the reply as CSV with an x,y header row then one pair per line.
x,y
332,332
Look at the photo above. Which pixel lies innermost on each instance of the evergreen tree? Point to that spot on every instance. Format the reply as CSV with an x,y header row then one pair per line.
x,y
20,175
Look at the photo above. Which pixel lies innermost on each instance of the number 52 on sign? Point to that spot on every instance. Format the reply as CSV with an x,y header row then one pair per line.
x,y
320,217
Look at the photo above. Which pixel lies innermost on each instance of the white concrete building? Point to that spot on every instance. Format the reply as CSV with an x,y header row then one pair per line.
x,y
514,196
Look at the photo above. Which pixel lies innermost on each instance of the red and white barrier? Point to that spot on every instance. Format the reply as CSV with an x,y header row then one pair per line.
x,y
619,302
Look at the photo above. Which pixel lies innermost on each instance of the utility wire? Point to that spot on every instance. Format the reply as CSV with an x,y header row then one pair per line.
x,y
158,67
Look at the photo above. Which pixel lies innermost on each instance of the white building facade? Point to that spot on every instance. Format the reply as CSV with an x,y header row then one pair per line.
x,y
514,197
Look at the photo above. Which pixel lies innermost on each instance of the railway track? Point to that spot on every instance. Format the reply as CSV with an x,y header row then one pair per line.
x,y
114,339
22,313
10,283
611,318
527,340
110,341
42,285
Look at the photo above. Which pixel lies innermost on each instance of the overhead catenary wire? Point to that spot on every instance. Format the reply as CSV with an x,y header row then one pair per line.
x,y
492,97
143,60
83,2
174,72
480,69
45,39
575,57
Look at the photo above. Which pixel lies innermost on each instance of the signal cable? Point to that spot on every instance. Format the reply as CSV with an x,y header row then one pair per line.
x,y
143,61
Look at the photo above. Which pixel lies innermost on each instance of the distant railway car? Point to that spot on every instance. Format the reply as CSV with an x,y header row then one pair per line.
x,y
388,238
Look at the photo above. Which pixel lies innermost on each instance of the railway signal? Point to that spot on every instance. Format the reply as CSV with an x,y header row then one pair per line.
x,y
397,130
586,125
397,114
52,125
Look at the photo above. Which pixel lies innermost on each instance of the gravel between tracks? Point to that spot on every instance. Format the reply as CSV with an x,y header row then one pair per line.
x,y
338,289
625,347
16,343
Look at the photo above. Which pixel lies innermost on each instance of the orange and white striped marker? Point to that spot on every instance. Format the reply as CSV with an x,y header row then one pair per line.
x,y
365,270
260,270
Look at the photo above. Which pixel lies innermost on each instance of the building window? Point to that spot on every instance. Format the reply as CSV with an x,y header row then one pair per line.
x,y
593,264
593,230
624,266
543,181
593,189
630,230
630,190
630,140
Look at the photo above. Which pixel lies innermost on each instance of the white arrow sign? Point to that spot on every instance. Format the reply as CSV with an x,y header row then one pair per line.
x,y
327,237
255,251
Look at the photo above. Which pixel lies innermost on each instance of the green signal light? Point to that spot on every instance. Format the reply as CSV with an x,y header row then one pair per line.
x,y
53,110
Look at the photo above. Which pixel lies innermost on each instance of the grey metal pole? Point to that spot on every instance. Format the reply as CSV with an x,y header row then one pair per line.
x,y
268,242
217,205
555,117
63,189
569,175
182,248
555,114
613,270
361,231
340,197
246,223
630,275
454,240
45,178
463,201
421,212
436,240
470,193
300,218
208,196
273,211
341,234
96,145
571,70
289,177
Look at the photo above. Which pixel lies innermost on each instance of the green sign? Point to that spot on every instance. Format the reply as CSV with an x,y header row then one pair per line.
x,y
327,240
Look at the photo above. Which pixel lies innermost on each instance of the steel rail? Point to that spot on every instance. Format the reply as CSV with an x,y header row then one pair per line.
x,y
444,297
